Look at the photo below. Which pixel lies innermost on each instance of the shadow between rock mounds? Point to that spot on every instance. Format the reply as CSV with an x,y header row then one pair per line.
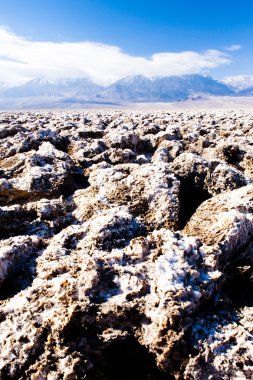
x,y
122,358
20,277
127,359
190,198
238,288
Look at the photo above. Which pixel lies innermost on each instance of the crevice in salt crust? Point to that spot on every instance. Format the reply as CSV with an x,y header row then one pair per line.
x,y
190,198
127,359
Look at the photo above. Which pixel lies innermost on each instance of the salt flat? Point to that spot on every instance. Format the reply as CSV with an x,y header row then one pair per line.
x,y
57,103
126,242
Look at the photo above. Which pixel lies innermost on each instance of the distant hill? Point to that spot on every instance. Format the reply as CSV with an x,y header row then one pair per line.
x,y
132,89
239,82
60,88
165,89
246,92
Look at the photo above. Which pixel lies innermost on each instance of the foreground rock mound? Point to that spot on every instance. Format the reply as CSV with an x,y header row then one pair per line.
x,y
224,223
150,192
126,245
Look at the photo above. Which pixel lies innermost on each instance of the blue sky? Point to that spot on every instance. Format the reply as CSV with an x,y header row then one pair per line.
x,y
138,28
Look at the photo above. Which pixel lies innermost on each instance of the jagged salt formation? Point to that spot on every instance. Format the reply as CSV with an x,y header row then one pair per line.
x,y
126,245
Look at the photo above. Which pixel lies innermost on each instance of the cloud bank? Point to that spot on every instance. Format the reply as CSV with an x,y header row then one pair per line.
x,y
233,47
22,60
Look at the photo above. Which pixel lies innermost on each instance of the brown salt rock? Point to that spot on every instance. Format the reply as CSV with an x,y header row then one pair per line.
x,y
224,344
224,222
171,133
90,150
35,173
10,130
247,164
223,178
189,166
69,276
30,138
123,138
14,219
85,281
150,191
15,249
99,285
120,156
164,277
167,151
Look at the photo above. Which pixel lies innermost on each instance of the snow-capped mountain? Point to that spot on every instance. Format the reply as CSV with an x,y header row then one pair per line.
x,y
58,88
246,92
140,88
239,82
75,92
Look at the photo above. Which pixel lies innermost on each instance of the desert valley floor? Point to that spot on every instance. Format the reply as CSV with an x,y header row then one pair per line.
x,y
126,245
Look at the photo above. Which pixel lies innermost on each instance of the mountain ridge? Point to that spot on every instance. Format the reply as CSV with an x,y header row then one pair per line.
x,y
130,89
239,82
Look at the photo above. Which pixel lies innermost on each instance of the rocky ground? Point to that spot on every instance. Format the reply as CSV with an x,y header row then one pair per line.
x,y
126,245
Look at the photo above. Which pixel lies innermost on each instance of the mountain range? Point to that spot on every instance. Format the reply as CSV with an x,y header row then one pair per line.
x,y
239,82
59,88
130,89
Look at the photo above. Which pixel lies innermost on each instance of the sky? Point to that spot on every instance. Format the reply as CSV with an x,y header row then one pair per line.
x,y
110,39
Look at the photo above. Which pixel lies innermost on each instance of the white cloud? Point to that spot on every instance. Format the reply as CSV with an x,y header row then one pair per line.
x,y
22,60
233,47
